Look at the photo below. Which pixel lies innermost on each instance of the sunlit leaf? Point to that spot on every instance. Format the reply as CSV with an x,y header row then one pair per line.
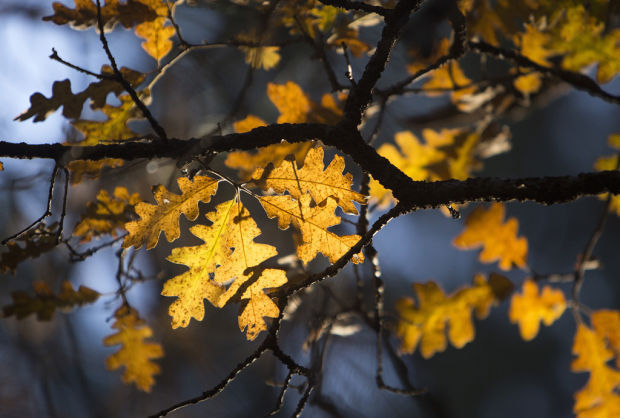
x,y
530,308
486,228
424,323
135,354
164,216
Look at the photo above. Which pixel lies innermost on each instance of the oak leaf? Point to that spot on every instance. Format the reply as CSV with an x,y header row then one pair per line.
x,y
106,214
321,183
247,162
44,302
218,269
485,228
89,169
313,222
38,240
444,154
135,354
165,214
41,107
424,323
529,308
84,15
606,323
599,398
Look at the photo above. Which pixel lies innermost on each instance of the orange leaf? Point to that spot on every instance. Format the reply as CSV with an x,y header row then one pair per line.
x,y
499,240
530,308
606,323
599,398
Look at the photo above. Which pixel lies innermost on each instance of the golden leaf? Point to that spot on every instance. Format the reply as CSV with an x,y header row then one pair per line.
x,y
530,308
266,57
106,214
533,44
528,84
484,228
444,154
599,398
606,323
156,37
44,303
41,107
114,128
228,257
135,354
247,162
313,223
291,101
165,214
1,166
425,323
312,178
88,169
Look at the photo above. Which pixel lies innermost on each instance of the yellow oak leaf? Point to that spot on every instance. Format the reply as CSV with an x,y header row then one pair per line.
x,y
165,214
88,169
1,166
528,84
44,302
449,78
599,398
534,44
606,323
265,57
106,214
413,158
312,178
313,222
114,128
258,305
156,37
41,107
227,260
529,308
148,16
135,354
246,162
485,228
291,101
38,240
424,323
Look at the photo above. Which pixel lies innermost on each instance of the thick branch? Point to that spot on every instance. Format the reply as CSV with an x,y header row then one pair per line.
x,y
360,96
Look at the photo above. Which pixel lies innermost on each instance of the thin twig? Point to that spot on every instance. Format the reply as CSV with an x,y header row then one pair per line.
x,y
128,88
48,209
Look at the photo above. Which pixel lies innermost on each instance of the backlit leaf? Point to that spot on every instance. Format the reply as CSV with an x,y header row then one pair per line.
x,y
106,214
313,222
135,354
218,269
38,240
44,302
485,228
424,323
164,216
312,178
606,323
599,398
529,308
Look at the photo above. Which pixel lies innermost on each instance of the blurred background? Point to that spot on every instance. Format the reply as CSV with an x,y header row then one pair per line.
x,y
57,368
